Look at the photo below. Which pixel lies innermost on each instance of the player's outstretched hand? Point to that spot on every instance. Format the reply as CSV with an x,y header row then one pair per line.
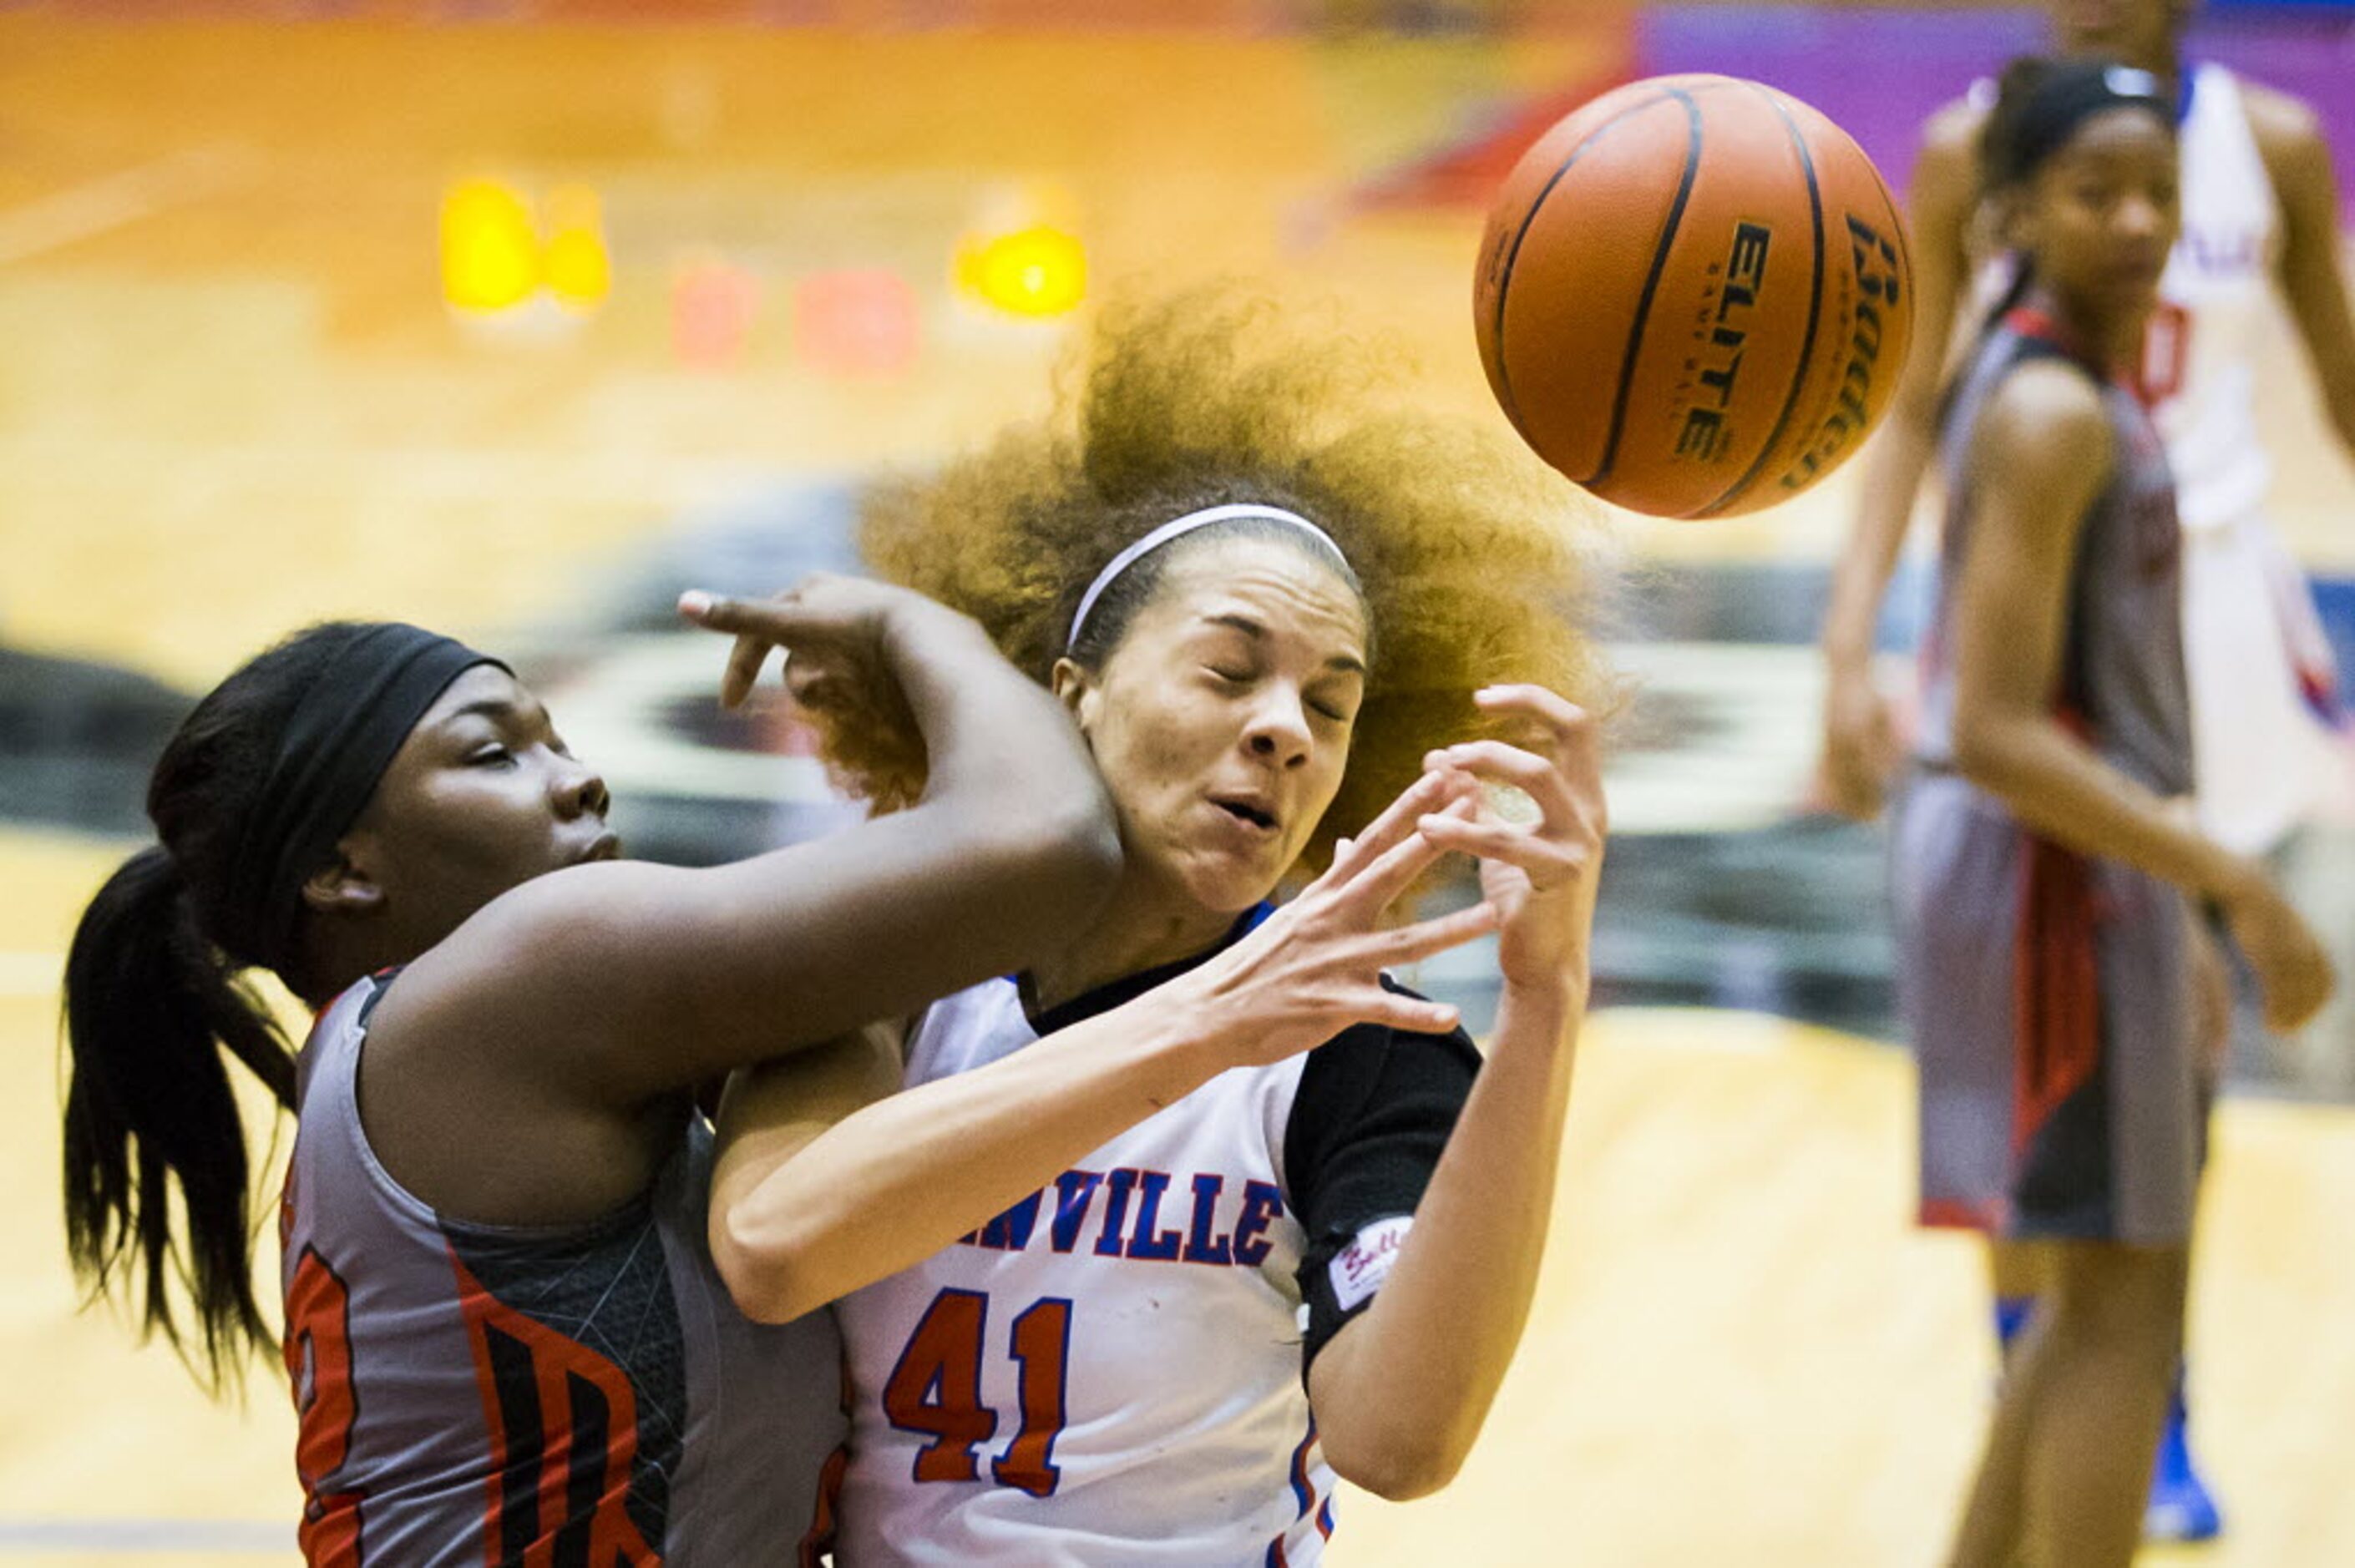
x,y
1314,968
2294,975
1541,873
1861,751
836,632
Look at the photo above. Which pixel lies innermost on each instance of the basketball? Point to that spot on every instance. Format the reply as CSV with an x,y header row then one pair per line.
x,y
1694,297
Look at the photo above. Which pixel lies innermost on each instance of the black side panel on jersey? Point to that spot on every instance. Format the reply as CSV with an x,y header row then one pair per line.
x,y
1372,1116
584,1367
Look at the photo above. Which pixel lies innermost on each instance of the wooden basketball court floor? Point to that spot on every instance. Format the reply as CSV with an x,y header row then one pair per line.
x,y
231,401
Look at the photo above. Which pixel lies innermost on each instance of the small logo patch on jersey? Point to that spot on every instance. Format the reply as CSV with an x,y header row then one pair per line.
x,y
1358,1271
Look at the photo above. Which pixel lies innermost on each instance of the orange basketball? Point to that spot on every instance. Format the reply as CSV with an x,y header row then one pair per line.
x,y
1694,297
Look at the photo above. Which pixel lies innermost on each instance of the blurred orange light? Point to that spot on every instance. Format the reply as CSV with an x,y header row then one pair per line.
x,y
1035,271
577,265
490,246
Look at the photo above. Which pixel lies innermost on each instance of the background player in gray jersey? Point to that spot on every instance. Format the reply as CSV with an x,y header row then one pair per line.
x,y
2048,960
2260,191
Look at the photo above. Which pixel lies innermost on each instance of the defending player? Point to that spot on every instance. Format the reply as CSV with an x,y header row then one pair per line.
x,y
507,1341
2260,213
1260,606
2048,960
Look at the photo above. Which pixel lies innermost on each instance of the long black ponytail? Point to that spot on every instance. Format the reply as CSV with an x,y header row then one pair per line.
x,y
147,1005
155,1006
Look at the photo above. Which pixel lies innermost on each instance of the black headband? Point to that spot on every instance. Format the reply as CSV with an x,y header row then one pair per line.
x,y
344,733
2066,97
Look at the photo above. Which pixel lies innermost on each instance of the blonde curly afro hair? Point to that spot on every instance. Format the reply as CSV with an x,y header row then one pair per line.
x,y
1468,555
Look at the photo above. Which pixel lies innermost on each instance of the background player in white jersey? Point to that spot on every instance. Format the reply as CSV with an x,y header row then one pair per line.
x,y
1261,606
2260,214
505,1336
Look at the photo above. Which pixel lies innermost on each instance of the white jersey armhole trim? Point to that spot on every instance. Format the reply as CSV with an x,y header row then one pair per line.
x,y
417,1208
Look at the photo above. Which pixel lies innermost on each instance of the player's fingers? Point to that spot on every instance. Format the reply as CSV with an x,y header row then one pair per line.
x,y
1858,797
1386,832
1408,1014
1577,737
717,613
1507,842
1532,775
2293,988
725,613
744,672
1833,781
813,610
1467,799
1568,725
1371,888
2320,980
812,686
2286,1013
1409,943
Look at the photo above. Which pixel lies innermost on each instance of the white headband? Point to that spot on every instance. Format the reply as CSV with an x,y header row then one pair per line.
x,y
1187,524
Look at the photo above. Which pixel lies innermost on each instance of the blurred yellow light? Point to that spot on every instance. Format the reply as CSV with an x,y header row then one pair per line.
x,y
1035,271
490,247
578,267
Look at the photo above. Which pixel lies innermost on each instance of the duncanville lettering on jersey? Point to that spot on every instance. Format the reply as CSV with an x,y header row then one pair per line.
x,y
2221,251
1121,1213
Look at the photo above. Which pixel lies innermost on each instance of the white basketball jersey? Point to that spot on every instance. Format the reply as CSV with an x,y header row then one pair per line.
x,y
1109,1373
2200,349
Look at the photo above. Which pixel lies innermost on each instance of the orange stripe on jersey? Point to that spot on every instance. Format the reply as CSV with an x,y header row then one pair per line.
x,y
819,1539
1961,1213
824,1518
1304,1492
318,1345
2056,988
564,1435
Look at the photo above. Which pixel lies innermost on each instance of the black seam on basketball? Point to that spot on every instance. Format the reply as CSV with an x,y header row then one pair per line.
x,y
1651,284
1905,247
1815,315
1513,254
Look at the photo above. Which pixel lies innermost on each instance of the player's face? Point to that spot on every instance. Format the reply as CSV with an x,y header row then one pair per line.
x,y
1221,721
2101,214
2139,32
481,797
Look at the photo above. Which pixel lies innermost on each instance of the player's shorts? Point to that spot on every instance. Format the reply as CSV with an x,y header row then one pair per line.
x,y
2050,998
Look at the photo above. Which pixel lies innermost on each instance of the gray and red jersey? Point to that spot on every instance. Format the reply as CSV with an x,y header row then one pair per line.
x,y
2264,679
2120,682
2047,992
584,1395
